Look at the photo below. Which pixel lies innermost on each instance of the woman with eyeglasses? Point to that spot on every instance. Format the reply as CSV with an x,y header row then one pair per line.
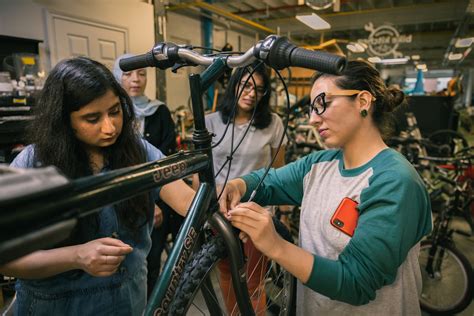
x,y
364,209
255,151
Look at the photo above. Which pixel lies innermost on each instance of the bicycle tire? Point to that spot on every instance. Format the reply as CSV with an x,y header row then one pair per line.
x,y
198,268
450,289
280,289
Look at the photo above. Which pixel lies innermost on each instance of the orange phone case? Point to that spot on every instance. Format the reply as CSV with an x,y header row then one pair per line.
x,y
345,217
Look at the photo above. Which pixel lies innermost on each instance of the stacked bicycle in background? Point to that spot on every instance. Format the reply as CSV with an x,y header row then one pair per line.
x,y
445,162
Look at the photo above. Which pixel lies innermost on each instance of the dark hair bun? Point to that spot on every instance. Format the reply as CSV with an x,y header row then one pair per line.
x,y
396,97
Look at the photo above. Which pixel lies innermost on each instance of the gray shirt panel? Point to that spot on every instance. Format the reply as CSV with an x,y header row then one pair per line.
x,y
254,152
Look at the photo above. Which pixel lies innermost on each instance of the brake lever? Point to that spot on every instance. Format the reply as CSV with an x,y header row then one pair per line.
x,y
179,65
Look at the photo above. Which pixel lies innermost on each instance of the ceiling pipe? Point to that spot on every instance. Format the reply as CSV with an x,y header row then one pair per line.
x,y
378,11
283,7
327,44
221,12
195,13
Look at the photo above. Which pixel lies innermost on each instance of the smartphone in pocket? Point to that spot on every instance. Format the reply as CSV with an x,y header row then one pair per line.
x,y
346,216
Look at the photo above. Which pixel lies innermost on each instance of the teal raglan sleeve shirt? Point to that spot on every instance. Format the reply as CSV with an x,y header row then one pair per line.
x,y
394,214
283,186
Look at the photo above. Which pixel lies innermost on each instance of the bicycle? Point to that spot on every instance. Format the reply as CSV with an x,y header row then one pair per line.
x,y
448,284
24,231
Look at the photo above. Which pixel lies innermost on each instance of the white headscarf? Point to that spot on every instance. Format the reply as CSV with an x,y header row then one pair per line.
x,y
142,106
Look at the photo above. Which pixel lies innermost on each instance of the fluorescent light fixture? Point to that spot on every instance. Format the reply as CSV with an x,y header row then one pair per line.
x,y
454,56
395,61
374,59
415,57
364,45
390,61
464,42
313,21
355,47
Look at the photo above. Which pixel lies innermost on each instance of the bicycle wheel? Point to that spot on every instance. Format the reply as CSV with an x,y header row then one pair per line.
x,y
449,141
195,272
448,288
279,285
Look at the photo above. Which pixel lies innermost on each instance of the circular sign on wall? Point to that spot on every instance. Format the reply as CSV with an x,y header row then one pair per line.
x,y
384,40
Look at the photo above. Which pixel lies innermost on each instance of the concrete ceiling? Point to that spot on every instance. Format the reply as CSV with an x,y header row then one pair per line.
x,y
434,25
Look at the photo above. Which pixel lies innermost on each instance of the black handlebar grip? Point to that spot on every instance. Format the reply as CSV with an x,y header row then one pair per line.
x,y
137,62
279,54
317,60
284,54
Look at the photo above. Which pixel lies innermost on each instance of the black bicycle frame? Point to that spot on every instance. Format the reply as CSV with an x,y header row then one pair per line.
x,y
25,220
205,199
37,221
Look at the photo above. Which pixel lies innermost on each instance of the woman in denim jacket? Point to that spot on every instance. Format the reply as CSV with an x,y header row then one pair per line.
x,y
84,126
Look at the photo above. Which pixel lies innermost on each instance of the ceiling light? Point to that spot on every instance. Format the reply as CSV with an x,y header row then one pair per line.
x,y
454,56
313,21
364,45
374,59
355,47
464,42
392,61
415,57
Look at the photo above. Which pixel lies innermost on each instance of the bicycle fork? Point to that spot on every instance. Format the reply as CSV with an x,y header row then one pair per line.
x,y
202,140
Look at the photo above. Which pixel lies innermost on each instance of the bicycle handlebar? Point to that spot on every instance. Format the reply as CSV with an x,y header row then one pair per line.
x,y
275,51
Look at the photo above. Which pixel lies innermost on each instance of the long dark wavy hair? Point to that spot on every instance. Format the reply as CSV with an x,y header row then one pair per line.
x,y
72,84
263,114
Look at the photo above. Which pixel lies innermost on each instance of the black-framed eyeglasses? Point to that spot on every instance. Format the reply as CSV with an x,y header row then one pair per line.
x,y
319,103
248,87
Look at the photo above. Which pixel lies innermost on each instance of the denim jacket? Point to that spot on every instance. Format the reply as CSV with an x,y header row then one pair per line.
x,y
78,293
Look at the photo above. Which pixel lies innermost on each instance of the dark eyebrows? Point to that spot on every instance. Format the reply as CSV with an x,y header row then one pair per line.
x,y
115,105
95,114
250,83
91,115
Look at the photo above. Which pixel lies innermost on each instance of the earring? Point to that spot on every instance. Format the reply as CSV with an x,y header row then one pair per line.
x,y
364,113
